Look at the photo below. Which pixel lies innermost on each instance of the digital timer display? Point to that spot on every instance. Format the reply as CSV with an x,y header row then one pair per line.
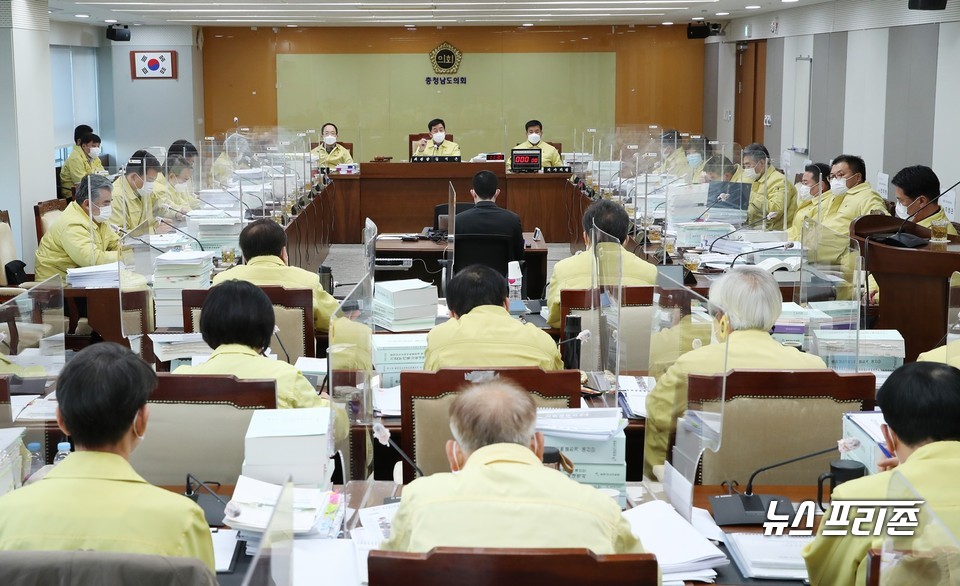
x,y
525,160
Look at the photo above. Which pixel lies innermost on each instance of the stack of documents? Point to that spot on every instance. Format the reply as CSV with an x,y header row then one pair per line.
x,y
174,272
386,400
11,459
289,443
682,552
633,395
843,314
863,350
593,440
768,556
595,424
106,275
167,347
795,321
216,232
405,306
394,353
692,234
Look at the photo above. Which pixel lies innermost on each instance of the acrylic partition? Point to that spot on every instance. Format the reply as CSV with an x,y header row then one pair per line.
x,y
273,563
608,267
32,328
830,292
135,278
951,341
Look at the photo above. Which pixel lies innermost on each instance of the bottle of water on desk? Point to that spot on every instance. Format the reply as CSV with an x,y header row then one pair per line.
x,y
36,458
63,450
515,280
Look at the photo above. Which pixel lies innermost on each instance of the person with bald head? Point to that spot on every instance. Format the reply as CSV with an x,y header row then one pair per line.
x,y
499,493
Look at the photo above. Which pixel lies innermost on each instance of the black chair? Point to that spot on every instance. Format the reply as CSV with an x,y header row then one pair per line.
x,y
442,210
492,250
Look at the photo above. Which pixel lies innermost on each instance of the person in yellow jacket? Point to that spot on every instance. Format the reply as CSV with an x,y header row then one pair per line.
x,y
673,157
237,321
748,302
481,332
851,196
236,148
921,408
94,499
499,482
915,187
549,157
174,188
577,272
771,194
81,236
134,195
330,153
264,246
84,159
437,145
813,192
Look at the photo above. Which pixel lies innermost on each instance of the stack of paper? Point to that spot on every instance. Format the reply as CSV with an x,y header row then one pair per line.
x,y
682,552
394,353
216,232
768,556
405,306
596,424
11,459
174,272
167,347
289,443
633,395
691,234
386,400
105,275
864,350
255,501
794,323
843,314
593,440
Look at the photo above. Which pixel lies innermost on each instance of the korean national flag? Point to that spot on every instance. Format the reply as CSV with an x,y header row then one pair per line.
x,y
154,64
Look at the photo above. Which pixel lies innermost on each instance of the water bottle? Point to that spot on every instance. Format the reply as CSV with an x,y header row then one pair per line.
x,y
36,458
63,450
515,279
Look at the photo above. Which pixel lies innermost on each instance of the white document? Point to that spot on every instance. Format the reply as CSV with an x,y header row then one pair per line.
x,y
379,518
769,556
224,547
39,410
704,523
596,424
334,560
387,401
18,402
870,422
677,545
365,540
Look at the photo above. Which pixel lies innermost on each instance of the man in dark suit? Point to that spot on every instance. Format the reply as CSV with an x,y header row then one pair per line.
x,y
486,218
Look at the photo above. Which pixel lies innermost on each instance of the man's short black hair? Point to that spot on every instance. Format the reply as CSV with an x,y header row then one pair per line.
x,y
88,138
237,312
609,217
182,148
756,151
100,391
530,124
434,122
262,237
921,402
474,286
325,124
485,184
142,161
820,172
79,131
855,163
916,181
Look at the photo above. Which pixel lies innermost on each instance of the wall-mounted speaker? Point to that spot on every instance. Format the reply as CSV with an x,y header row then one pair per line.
x,y
118,32
927,4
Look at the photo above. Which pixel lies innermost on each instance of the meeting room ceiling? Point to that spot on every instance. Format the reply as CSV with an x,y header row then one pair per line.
x,y
409,13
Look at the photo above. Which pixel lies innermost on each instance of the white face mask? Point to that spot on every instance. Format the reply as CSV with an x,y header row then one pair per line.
x,y
903,212
94,152
534,138
694,159
329,140
104,215
439,137
182,187
838,186
749,173
803,193
147,189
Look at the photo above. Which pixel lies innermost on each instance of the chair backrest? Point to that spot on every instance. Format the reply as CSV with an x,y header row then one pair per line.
x,y
492,250
46,213
197,425
425,399
84,567
441,210
8,245
636,323
293,309
803,408
485,566
414,140
557,145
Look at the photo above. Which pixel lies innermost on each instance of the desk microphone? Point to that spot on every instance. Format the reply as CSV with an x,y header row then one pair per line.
x,y
902,240
138,239
214,509
209,204
786,246
732,232
184,232
382,434
700,217
751,509
276,334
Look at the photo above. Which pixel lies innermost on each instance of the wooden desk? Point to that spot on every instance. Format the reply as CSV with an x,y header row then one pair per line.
x,y
400,198
310,232
430,253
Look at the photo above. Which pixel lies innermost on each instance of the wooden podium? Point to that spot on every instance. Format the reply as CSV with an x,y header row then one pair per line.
x,y
914,282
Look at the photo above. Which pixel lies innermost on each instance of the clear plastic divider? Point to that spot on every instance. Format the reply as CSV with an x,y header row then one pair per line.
x,y
32,328
608,264
135,279
273,563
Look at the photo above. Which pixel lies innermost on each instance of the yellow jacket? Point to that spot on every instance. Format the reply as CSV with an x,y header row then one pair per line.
x,y
489,336
338,155
549,156
444,149
96,501
940,215
668,399
576,272
223,169
129,208
271,270
166,193
772,188
948,354
505,497
351,345
932,470
75,240
675,164
807,209
859,200
77,166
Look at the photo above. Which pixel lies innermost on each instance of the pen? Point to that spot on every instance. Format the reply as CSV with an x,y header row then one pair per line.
x,y
883,449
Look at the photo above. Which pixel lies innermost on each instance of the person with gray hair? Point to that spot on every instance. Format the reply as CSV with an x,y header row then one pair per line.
x,y
82,235
499,493
745,304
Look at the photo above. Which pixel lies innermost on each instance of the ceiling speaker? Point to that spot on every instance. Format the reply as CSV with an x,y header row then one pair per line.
x,y
927,4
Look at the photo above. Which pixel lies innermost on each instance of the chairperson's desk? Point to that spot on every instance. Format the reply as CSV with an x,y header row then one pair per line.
x,y
400,197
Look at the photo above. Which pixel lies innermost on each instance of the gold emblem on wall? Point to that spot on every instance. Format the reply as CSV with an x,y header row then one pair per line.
x,y
445,58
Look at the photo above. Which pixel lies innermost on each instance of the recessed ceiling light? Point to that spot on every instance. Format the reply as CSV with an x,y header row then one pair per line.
x,y
584,38
668,23
110,21
722,13
787,1
291,26
697,18
753,7
528,24
82,15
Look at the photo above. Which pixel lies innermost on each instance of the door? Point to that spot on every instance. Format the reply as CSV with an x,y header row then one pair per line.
x,y
751,88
